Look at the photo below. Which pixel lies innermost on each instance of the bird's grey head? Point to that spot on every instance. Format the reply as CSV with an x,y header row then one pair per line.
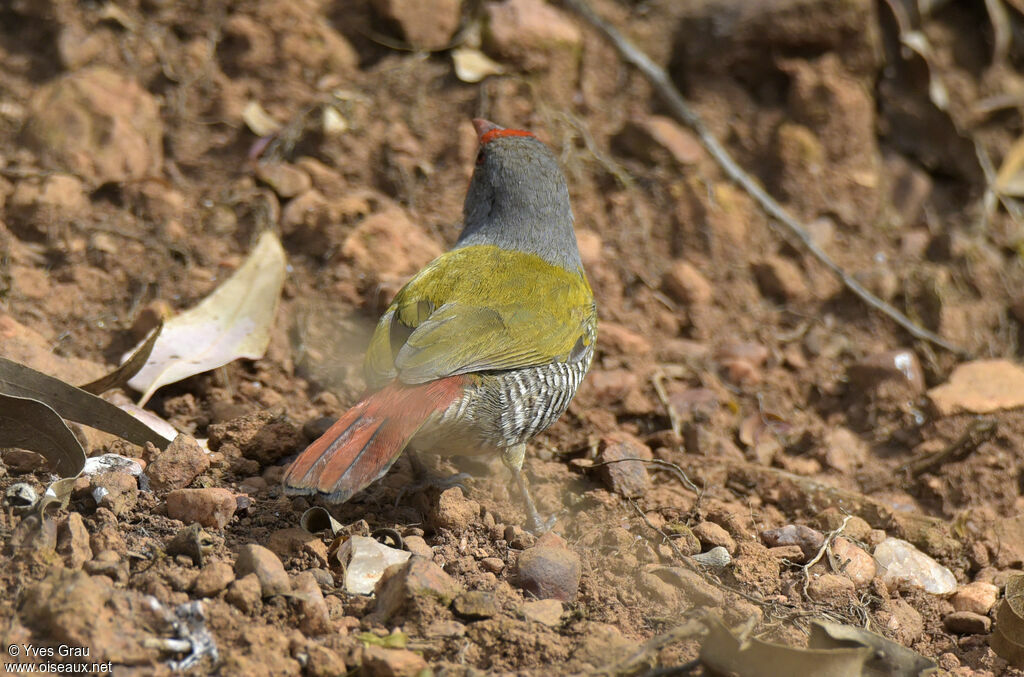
x,y
518,198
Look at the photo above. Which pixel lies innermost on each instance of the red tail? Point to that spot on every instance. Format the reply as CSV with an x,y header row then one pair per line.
x,y
360,447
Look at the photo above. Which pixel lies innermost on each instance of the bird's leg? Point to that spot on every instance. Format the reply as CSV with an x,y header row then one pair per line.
x,y
425,479
513,458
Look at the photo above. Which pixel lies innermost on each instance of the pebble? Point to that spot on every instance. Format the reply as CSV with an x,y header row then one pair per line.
x,y
73,541
417,577
417,546
656,138
476,604
255,559
618,339
213,578
809,540
263,436
518,538
454,511
549,570
116,491
286,180
899,366
781,279
717,556
544,611
626,478
967,623
902,563
425,24
107,563
389,243
294,541
527,31
854,562
493,564
978,597
315,618
210,507
830,587
178,465
713,535
696,591
244,593
980,387
380,662
687,285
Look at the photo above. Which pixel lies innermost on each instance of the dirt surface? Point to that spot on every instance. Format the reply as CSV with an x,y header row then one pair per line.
x,y
135,176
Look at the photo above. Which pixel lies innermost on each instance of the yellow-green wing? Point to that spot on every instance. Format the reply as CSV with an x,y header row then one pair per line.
x,y
480,311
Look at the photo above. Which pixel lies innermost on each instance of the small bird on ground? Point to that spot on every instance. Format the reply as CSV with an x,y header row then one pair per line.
x,y
483,348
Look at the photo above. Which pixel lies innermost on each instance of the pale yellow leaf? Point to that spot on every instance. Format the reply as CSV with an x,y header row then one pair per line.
x,y
233,322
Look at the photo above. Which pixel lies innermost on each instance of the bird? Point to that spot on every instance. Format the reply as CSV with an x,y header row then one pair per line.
x,y
483,348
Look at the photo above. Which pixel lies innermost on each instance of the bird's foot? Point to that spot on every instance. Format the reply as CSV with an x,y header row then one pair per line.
x,y
439,483
536,524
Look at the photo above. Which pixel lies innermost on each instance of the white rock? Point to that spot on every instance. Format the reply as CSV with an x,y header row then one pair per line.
x,y
902,563
365,561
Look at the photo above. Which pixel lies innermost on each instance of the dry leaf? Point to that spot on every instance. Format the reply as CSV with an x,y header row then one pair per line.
x,y
128,368
1007,639
1010,178
724,653
30,424
231,323
888,658
472,65
75,404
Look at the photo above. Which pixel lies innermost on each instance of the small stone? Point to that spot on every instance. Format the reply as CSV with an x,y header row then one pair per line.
x,y
831,587
717,557
528,31
549,570
210,507
809,540
626,478
902,563
898,366
476,604
978,597
293,541
193,542
181,462
493,564
622,340
687,285
380,662
425,24
98,124
417,546
781,279
713,535
417,577
544,611
107,563
388,243
255,559
967,623
518,538
323,662
980,387
843,450
695,590
590,245
262,436
793,553
244,593
315,619
854,562
656,139
454,511
73,541
116,491
286,180
213,578
904,622
37,205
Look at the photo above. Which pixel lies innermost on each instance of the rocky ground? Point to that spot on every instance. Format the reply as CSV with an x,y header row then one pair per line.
x,y
144,145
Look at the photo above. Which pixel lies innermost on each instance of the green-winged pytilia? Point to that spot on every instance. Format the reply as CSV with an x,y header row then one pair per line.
x,y
484,347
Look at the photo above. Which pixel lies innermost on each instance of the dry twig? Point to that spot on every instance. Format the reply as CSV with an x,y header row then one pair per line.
x,y
682,110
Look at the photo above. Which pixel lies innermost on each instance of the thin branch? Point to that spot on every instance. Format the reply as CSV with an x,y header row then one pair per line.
x,y
682,110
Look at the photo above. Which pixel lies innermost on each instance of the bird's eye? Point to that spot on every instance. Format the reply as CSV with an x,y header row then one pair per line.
x,y
480,157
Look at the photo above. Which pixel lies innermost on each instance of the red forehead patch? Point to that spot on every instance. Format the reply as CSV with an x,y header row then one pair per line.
x,y
499,133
